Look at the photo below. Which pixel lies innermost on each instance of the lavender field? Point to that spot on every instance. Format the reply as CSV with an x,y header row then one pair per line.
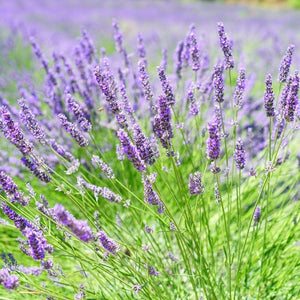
x,y
149,150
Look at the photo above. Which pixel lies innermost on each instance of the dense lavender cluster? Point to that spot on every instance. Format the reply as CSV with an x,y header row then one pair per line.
x,y
180,129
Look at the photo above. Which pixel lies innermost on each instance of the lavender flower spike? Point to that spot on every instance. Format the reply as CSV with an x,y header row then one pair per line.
x,y
80,115
257,214
286,64
194,52
80,228
131,151
107,170
108,243
226,47
269,97
238,96
213,141
291,99
239,154
75,133
144,78
166,86
29,120
13,133
11,189
195,185
218,82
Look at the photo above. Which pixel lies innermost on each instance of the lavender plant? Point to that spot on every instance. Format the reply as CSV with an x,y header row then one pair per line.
x,y
133,183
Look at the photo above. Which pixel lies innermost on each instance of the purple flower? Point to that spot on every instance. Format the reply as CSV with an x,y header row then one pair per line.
x,y
9,281
218,82
144,79
107,170
269,97
79,228
239,154
213,141
195,185
143,145
150,196
191,98
35,170
36,243
29,120
162,123
141,48
239,89
13,133
166,86
178,59
11,189
108,243
152,271
131,151
103,192
291,99
226,47
148,229
256,215
75,133
194,52
80,115
285,64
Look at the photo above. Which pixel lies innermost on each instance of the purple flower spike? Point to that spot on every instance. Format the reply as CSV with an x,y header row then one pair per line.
x,y
13,133
286,64
178,59
150,195
239,155
131,151
257,214
75,133
166,86
291,99
218,82
213,141
226,47
143,145
80,115
162,123
194,52
269,97
144,78
79,228
195,185
35,170
238,96
29,120
9,281
108,243
11,189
